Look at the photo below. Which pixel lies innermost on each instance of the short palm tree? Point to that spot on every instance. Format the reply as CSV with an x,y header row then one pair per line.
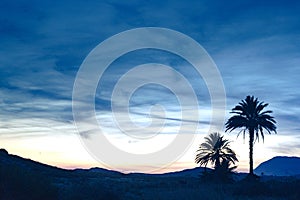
x,y
215,150
249,115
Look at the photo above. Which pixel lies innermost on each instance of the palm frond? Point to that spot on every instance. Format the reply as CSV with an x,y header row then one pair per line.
x,y
214,150
249,114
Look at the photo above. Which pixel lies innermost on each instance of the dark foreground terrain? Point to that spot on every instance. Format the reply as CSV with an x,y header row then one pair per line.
x,y
25,179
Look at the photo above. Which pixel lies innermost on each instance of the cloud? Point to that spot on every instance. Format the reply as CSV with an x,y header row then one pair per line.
x,y
254,44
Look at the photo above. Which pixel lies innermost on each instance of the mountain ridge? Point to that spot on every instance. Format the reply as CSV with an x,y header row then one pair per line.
x,y
10,159
276,166
280,166
27,179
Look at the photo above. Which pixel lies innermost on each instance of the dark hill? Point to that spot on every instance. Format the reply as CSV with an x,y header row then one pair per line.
x,y
279,166
22,179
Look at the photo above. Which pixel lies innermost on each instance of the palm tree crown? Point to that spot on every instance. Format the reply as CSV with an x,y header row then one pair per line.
x,y
215,150
249,115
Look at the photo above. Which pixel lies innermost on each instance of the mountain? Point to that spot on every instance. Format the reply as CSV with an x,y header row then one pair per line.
x,y
7,159
21,177
194,172
279,166
26,179
187,173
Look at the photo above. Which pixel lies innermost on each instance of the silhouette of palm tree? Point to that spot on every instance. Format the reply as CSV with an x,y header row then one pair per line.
x,y
225,167
215,150
249,115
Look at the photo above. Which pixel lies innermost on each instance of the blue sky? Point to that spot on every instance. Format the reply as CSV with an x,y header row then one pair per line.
x,y
254,44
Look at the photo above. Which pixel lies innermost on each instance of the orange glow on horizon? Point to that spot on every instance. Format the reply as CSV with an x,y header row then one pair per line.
x,y
55,151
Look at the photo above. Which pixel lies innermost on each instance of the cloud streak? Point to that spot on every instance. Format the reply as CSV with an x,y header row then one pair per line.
x,y
254,45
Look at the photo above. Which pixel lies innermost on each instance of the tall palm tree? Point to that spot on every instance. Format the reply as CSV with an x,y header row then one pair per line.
x,y
215,150
249,115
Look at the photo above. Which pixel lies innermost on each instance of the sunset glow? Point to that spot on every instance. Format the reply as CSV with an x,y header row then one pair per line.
x,y
44,44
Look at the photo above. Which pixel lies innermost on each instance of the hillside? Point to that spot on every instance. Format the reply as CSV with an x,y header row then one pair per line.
x,y
26,179
279,166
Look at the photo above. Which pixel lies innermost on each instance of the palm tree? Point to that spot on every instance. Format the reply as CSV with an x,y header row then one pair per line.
x,y
215,150
249,115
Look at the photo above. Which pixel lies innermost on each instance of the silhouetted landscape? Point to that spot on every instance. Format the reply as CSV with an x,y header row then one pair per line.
x,y
26,179
149,87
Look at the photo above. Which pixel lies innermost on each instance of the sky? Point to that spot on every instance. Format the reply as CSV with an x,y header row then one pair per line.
x,y
254,45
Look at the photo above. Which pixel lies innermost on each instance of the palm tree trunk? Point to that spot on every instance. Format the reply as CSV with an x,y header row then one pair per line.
x,y
217,165
251,140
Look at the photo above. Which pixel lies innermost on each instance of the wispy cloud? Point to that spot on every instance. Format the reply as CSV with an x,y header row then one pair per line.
x,y
43,43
